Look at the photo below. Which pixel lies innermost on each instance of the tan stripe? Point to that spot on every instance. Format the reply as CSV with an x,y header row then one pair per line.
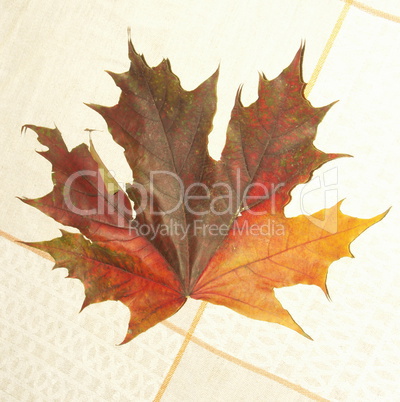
x,y
181,351
244,364
307,91
327,48
374,11
189,337
34,250
196,320
192,338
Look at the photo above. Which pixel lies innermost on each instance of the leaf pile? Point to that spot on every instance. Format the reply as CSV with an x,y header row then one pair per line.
x,y
214,230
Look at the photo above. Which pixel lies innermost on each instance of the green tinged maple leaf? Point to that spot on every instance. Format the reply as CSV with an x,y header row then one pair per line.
x,y
202,228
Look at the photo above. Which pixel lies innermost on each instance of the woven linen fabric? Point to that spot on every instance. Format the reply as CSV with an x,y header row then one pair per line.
x,y
53,55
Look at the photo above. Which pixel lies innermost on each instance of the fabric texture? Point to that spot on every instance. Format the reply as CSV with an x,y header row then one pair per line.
x,y
52,59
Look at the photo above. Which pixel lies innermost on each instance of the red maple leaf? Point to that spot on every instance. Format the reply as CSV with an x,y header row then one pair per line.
x,y
201,226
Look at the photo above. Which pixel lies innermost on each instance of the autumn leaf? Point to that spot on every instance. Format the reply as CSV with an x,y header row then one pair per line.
x,y
211,230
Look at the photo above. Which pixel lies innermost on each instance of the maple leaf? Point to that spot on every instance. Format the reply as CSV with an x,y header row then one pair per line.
x,y
202,228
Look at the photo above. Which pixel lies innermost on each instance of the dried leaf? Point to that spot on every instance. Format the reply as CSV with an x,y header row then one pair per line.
x,y
212,230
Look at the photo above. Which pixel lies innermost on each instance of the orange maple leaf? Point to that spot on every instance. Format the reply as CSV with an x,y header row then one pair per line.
x,y
202,227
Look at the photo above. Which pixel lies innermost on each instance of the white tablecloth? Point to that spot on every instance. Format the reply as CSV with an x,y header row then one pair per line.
x,y
53,55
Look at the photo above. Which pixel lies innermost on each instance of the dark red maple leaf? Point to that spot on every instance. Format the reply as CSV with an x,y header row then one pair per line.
x,y
195,230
